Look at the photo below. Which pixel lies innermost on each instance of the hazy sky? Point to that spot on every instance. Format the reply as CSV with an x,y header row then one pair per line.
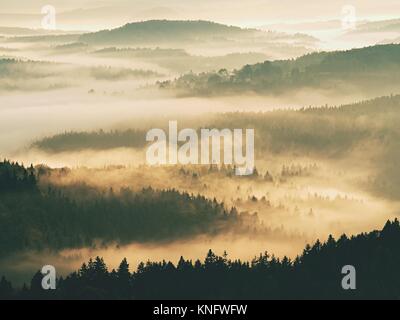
x,y
97,14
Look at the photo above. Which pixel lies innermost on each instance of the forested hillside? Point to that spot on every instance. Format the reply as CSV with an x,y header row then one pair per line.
x,y
32,219
73,141
371,67
322,130
170,31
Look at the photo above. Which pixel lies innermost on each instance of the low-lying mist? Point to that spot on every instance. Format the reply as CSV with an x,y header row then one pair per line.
x,y
321,170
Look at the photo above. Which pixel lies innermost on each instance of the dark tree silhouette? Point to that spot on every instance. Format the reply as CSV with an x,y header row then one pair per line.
x,y
315,274
35,219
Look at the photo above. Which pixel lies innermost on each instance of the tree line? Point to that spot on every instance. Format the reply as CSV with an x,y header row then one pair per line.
x,y
370,67
36,219
315,274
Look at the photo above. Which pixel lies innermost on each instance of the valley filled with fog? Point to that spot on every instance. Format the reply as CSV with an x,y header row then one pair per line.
x,y
77,106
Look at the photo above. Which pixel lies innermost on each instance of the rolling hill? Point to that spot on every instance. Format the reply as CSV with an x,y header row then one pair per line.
x,y
162,31
371,68
392,25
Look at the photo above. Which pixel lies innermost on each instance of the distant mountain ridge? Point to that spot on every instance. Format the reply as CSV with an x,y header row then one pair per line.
x,y
171,30
167,29
392,25
16,31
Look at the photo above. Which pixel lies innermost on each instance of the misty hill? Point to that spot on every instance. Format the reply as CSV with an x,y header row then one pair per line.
x,y
366,69
28,75
315,274
162,31
55,218
75,141
70,47
179,60
15,31
19,31
144,53
391,41
323,130
392,25
48,38
17,69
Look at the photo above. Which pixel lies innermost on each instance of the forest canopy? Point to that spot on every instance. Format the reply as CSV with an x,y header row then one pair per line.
x,y
32,219
366,68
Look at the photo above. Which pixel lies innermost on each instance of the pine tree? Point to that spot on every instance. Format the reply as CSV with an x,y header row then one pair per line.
x,y
123,270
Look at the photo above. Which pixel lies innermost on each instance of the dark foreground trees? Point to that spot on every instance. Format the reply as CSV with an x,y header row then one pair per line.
x,y
314,274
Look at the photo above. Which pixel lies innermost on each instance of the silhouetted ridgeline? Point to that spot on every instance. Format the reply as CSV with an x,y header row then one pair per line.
x,y
314,274
162,31
75,141
180,61
31,219
366,68
322,130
